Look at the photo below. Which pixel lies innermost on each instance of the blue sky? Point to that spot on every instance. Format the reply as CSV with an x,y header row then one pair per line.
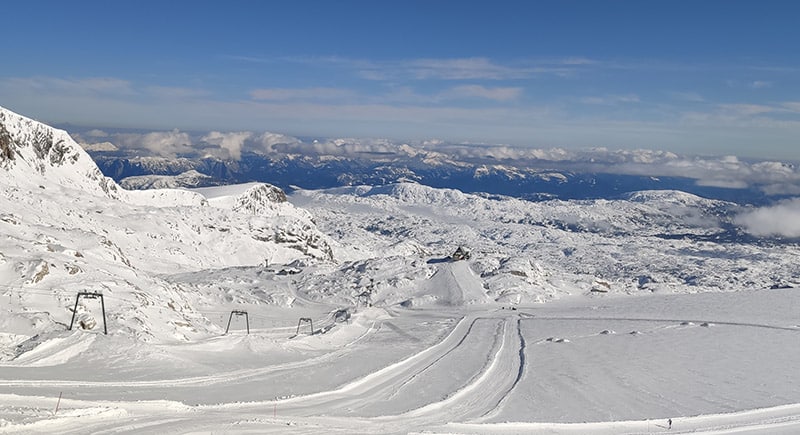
x,y
703,77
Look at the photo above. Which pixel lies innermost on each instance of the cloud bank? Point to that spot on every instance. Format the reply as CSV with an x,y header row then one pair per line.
x,y
231,143
525,102
162,143
782,219
773,178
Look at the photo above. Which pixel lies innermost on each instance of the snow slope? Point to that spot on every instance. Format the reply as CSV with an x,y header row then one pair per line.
x,y
233,310
67,229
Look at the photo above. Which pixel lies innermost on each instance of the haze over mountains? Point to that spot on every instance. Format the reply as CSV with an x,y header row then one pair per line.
x,y
535,174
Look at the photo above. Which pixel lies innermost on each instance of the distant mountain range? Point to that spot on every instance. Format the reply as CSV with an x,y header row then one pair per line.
x,y
523,179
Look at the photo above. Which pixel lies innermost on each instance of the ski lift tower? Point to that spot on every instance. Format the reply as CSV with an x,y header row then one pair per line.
x,y
89,295
238,313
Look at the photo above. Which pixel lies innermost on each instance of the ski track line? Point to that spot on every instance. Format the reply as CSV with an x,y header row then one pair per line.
x,y
371,379
530,316
435,361
387,388
191,381
469,399
520,372
135,425
490,377
475,378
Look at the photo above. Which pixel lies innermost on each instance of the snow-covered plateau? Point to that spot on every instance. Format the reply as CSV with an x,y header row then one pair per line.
x,y
239,309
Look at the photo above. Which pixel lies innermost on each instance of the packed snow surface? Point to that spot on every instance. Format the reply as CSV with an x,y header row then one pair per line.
x,y
240,310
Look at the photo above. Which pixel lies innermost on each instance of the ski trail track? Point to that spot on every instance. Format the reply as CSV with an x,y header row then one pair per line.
x,y
482,389
530,316
389,400
380,401
194,381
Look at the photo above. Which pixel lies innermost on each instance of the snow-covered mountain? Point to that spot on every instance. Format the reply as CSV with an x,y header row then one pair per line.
x,y
67,228
188,179
526,179
31,152
652,241
240,308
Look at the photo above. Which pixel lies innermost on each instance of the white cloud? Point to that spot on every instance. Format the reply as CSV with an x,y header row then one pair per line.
x,y
222,145
723,183
344,147
578,61
161,143
467,68
611,99
286,94
101,146
266,142
464,69
373,74
760,84
779,220
232,142
692,97
394,109
766,116
781,189
71,86
176,92
746,109
792,106
96,133
477,91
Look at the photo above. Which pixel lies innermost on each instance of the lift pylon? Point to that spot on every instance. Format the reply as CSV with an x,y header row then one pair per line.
x,y
238,313
305,320
90,295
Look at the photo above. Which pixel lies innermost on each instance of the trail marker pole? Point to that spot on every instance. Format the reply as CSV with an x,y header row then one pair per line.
x,y
58,403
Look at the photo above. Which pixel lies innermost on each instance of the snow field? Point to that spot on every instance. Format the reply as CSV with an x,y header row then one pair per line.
x,y
484,370
655,308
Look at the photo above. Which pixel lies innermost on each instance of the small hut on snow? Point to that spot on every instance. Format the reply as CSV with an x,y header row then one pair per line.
x,y
461,253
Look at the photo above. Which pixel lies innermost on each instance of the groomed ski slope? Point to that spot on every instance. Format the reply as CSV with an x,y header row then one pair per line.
x,y
578,366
